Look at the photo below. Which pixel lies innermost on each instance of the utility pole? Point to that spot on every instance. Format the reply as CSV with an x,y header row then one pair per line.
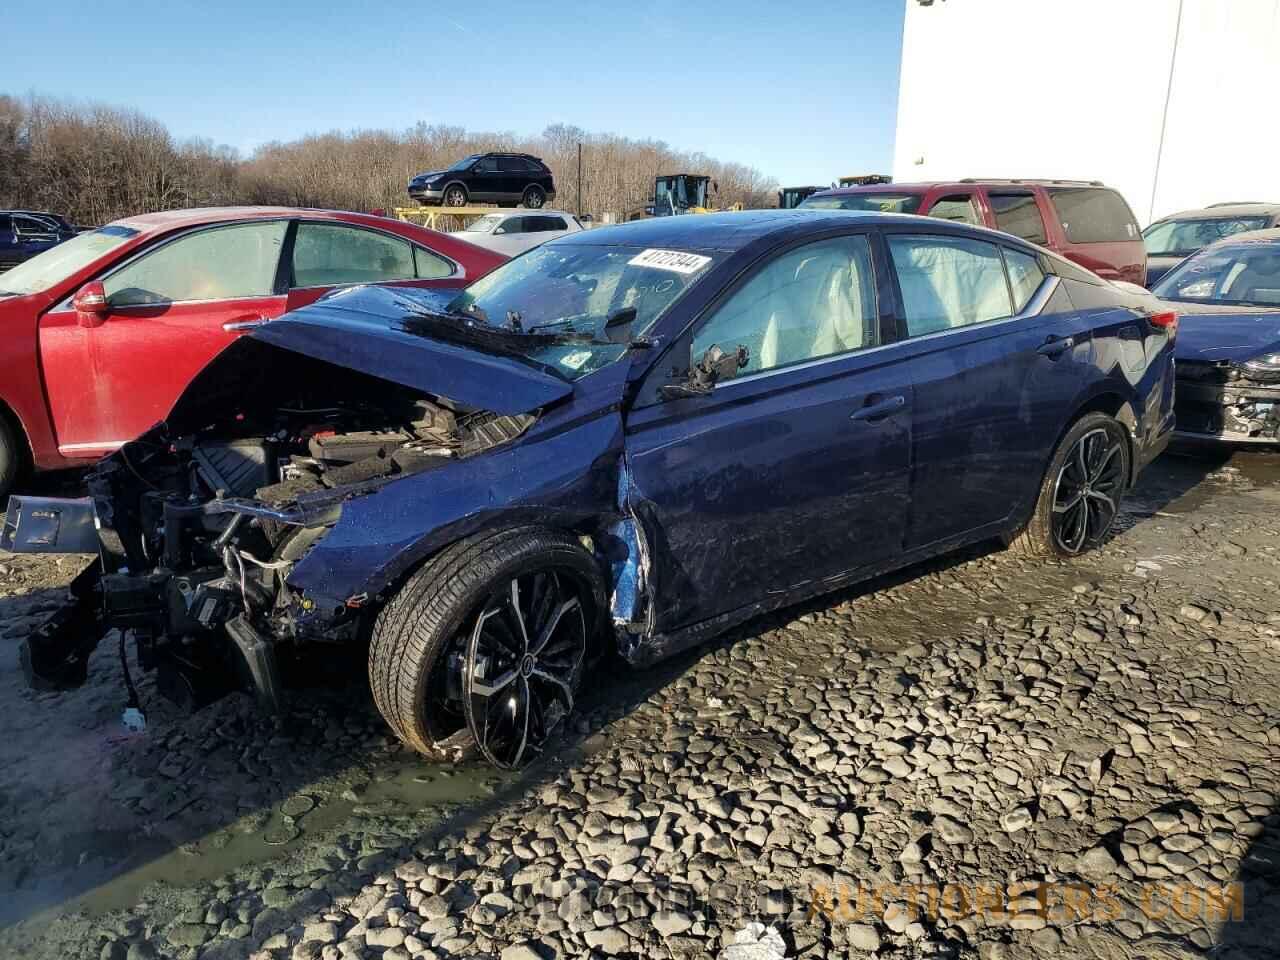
x,y
579,178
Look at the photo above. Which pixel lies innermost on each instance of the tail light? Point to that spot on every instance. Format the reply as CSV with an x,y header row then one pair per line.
x,y
1166,320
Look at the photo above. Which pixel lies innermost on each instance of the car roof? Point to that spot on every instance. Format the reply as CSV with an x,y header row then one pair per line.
x,y
731,231
1226,211
924,186
530,212
195,216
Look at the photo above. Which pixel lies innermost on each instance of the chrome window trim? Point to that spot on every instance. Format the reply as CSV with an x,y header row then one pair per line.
x,y
1040,299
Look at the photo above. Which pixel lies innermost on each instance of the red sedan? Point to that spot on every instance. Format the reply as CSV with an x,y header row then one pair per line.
x,y
99,335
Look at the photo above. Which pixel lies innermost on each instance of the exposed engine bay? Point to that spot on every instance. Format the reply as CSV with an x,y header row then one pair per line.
x,y
200,525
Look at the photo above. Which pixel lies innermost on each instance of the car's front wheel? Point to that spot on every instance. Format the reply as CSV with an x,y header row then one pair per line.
x,y
1079,497
492,633
455,196
534,198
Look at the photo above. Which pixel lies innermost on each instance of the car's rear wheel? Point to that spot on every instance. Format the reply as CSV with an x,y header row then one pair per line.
x,y
10,460
492,634
1080,495
455,196
534,198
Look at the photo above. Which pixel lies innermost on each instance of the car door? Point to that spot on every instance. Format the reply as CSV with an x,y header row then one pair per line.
x,y
33,235
485,181
509,238
324,255
794,471
997,356
171,309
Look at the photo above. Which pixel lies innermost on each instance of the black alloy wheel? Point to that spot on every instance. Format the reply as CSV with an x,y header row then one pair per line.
x,y
1087,491
523,663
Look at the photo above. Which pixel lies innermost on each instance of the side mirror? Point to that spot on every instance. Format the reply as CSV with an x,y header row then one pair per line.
x,y
90,303
715,365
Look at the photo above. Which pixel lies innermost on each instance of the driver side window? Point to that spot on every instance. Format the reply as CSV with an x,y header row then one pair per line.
x,y
813,301
219,264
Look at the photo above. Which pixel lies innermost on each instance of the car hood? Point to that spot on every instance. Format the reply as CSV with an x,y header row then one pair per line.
x,y
1215,332
428,175
365,329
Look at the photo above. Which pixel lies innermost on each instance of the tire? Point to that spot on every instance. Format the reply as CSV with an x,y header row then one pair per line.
x,y
10,460
454,196
421,636
534,198
1071,516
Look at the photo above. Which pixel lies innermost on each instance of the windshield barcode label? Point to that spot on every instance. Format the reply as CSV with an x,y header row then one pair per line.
x,y
673,260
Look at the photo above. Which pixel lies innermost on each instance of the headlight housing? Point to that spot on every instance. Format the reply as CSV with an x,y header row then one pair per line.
x,y
1265,367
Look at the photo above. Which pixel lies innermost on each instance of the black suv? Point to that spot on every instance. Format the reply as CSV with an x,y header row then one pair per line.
x,y
506,179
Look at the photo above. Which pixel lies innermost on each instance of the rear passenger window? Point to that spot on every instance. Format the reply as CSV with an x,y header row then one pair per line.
x,y
949,282
512,165
959,209
512,225
1019,214
1090,215
1025,277
551,223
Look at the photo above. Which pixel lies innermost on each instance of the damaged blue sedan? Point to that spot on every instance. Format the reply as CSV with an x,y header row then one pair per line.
x,y
633,437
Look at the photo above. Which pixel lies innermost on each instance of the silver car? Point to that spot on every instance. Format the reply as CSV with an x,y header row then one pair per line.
x,y
514,233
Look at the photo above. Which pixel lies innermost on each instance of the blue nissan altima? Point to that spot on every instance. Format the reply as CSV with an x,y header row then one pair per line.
x,y
633,436
1228,353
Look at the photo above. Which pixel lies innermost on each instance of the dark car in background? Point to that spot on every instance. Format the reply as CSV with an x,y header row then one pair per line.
x,y
1228,352
25,233
506,179
497,486
1172,239
1083,221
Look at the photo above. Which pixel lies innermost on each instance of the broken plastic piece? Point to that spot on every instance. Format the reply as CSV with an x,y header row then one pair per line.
x,y
755,941
134,720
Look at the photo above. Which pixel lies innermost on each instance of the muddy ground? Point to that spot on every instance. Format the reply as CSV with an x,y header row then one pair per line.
x,y
983,722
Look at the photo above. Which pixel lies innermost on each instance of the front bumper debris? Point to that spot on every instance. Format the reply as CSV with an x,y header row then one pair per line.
x,y
55,655
1235,412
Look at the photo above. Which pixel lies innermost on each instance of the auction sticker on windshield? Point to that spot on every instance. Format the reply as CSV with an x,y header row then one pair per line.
x,y
674,260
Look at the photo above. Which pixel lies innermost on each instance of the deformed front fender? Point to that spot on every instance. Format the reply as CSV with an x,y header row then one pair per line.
x,y
563,475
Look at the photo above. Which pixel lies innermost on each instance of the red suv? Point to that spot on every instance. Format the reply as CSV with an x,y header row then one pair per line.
x,y
99,335
1081,220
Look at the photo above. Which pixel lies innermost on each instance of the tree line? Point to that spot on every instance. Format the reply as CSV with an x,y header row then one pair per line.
x,y
95,163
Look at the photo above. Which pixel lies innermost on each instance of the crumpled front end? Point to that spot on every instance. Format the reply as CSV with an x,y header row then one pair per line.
x,y
200,522
1220,402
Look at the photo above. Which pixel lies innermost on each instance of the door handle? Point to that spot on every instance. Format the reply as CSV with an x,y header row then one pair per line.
x,y
1057,347
874,410
247,322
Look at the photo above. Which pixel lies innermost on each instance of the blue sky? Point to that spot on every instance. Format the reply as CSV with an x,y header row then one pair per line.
x,y
803,91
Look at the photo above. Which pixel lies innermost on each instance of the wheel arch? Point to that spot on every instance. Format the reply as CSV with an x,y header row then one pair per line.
x,y
11,418
450,185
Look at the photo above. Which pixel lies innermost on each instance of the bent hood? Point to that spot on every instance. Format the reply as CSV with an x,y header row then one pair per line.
x,y
370,330
1210,333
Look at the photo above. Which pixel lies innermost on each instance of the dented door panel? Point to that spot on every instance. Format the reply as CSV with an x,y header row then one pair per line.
x,y
772,483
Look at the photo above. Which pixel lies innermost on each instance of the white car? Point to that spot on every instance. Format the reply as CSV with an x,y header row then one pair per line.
x,y
519,230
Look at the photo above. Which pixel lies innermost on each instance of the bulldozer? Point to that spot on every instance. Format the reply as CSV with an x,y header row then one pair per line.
x,y
677,193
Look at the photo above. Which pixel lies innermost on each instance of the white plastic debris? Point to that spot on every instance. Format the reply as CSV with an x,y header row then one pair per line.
x,y
755,942
134,721
715,703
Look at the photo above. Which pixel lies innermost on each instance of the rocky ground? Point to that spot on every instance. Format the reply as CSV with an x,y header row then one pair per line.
x,y
1042,757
